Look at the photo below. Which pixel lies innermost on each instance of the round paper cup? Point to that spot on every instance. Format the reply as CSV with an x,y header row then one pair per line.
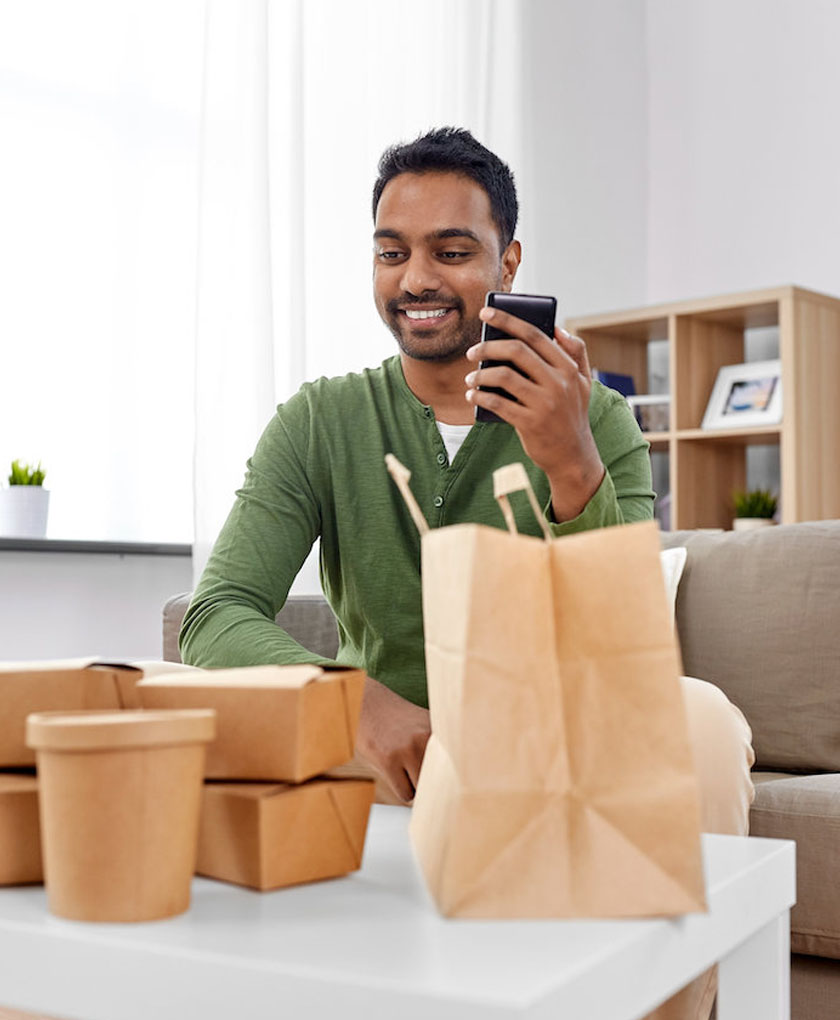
x,y
120,794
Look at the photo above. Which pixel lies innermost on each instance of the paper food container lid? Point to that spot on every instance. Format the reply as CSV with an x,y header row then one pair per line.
x,y
63,665
83,730
244,677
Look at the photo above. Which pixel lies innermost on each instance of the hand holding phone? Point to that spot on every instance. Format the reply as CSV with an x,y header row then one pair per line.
x,y
549,406
536,309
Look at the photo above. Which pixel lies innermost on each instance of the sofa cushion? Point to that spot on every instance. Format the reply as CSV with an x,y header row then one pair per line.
x,y
174,611
308,618
806,809
758,614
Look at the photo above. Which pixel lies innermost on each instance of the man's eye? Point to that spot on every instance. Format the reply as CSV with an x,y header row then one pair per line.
x,y
453,255
389,256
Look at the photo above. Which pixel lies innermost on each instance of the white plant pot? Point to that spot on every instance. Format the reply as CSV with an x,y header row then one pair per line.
x,y
23,511
751,523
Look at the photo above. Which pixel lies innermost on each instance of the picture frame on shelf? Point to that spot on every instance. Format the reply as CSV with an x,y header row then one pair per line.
x,y
745,396
651,410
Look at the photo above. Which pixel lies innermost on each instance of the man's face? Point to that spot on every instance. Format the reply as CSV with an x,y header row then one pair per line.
x,y
436,254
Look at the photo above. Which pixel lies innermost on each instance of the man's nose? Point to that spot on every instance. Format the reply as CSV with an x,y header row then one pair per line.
x,y
420,275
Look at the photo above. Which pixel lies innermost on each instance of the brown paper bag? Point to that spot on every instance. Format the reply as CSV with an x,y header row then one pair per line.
x,y
558,780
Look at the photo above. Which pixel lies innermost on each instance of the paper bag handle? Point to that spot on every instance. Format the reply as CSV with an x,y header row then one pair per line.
x,y
401,476
511,478
514,478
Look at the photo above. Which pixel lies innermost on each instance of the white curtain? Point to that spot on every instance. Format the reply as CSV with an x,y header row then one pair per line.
x,y
99,138
300,99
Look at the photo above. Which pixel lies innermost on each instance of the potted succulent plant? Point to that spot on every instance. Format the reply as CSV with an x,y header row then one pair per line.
x,y
753,509
25,503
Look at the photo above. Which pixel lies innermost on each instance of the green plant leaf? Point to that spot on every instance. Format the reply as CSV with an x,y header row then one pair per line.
x,y
754,503
25,474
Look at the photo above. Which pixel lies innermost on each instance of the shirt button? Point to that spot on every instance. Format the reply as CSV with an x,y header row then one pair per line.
x,y
427,411
441,458
438,501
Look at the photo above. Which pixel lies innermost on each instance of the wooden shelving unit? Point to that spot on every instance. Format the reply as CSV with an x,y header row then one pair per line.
x,y
702,336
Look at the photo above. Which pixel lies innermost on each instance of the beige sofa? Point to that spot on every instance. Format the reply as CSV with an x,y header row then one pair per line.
x,y
758,614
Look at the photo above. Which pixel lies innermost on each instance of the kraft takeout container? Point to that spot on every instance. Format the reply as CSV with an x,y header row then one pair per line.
x,y
57,686
275,723
119,805
20,833
269,835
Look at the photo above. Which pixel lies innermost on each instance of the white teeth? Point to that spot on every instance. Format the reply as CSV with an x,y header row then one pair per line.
x,y
435,314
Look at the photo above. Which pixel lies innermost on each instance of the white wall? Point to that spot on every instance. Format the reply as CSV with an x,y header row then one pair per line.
x,y
58,605
744,101
583,186
679,149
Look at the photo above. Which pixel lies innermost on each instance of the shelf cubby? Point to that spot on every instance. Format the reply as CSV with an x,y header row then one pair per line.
x,y
706,466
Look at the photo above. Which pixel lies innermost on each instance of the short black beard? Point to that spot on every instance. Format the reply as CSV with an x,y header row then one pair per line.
x,y
470,334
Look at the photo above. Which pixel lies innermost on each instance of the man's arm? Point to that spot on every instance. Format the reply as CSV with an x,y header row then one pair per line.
x,y
625,494
259,551
392,737
230,620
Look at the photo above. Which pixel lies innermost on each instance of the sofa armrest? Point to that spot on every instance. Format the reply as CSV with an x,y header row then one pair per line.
x,y
806,809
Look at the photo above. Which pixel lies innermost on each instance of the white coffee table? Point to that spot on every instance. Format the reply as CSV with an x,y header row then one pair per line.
x,y
372,945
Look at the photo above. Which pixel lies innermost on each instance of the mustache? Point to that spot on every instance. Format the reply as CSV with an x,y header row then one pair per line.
x,y
428,297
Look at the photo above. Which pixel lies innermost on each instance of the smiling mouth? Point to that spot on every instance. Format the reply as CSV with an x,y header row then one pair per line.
x,y
426,316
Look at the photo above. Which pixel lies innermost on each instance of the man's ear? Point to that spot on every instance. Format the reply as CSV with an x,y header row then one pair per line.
x,y
511,257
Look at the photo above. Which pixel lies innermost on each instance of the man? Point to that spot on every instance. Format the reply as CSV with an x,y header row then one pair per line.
x,y
445,211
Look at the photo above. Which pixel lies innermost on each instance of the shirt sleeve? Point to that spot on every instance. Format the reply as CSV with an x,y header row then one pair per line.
x,y
262,546
625,494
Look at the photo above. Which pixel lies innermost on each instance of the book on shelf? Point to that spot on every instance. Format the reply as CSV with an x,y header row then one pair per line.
x,y
615,381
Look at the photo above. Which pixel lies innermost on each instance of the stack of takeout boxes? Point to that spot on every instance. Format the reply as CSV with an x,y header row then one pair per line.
x,y
26,687
269,818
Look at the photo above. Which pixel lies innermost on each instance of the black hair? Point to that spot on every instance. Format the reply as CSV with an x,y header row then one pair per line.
x,y
455,150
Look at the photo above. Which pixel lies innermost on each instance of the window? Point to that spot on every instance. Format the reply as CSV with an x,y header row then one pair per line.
x,y
100,107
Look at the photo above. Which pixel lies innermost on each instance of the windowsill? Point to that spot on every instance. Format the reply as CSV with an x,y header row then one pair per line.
x,y
66,545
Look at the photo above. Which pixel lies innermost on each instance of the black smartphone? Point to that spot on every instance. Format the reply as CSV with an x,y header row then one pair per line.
x,y
537,309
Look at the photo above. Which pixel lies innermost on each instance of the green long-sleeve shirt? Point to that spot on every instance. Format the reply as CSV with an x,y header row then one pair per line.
x,y
319,470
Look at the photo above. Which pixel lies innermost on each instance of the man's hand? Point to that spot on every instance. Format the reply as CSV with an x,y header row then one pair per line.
x,y
552,413
392,737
